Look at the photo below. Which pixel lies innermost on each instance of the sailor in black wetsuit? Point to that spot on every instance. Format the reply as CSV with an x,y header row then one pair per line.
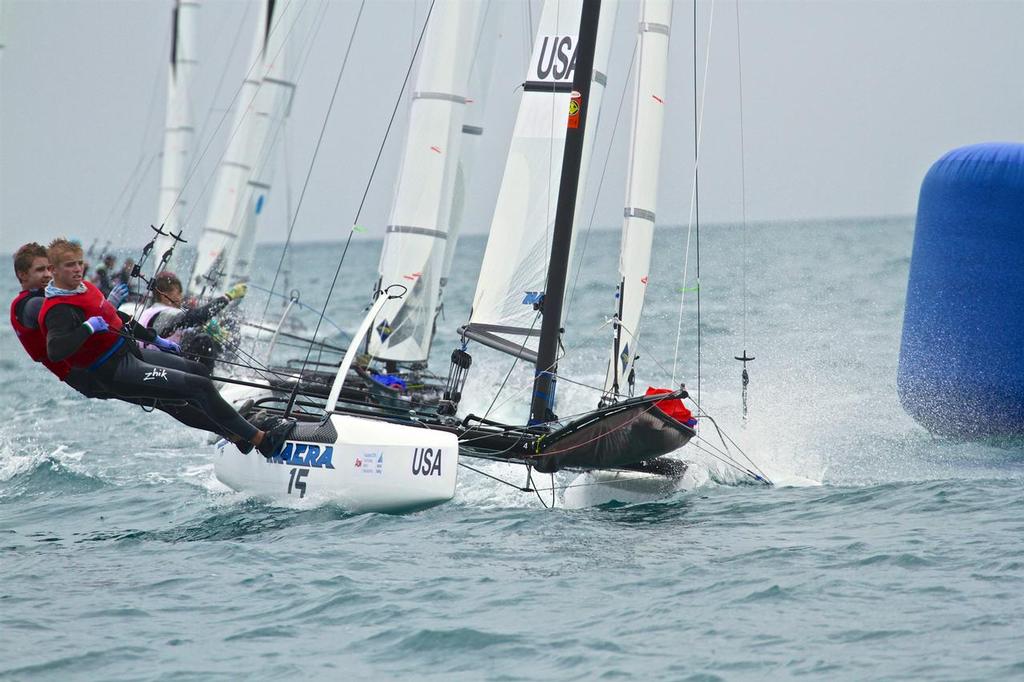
x,y
82,328
188,327
32,268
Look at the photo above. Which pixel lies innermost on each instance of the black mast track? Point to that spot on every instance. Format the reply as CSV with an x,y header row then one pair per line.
x,y
550,332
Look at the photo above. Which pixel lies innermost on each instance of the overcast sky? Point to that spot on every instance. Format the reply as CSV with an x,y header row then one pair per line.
x,y
845,106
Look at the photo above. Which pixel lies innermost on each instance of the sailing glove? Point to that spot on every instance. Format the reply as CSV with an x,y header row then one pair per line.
x,y
166,345
96,323
215,331
236,292
117,295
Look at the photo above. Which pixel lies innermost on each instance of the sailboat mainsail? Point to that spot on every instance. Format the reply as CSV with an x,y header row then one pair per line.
x,y
243,178
513,272
178,129
641,190
414,252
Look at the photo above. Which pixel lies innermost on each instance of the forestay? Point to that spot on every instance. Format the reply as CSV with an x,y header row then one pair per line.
x,y
641,188
418,228
515,261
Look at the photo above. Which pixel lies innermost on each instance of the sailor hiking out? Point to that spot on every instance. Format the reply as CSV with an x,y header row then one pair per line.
x,y
83,329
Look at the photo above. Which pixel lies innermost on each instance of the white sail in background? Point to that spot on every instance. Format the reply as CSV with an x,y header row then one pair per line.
x,y
418,227
515,261
272,106
178,129
641,187
220,241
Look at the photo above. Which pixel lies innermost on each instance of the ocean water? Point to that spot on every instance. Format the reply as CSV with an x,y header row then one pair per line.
x,y
881,553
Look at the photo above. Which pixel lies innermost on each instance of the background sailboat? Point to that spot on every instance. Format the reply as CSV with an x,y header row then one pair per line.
x,y
179,130
225,247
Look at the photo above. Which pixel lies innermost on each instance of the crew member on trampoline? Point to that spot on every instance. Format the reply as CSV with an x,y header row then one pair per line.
x,y
196,330
84,329
32,268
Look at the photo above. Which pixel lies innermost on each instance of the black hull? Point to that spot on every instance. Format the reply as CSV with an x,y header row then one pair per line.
x,y
624,434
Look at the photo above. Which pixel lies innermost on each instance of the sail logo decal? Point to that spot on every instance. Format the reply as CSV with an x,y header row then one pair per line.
x,y
624,356
371,463
554,58
303,455
426,462
384,330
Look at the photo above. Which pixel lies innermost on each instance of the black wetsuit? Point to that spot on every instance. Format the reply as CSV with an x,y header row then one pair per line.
x,y
88,383
148,377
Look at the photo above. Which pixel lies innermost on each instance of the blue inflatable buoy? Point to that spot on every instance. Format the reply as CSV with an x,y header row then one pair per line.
x,y
961,367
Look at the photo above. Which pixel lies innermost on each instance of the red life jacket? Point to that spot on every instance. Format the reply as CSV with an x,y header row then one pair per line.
x,y
99,346
34,341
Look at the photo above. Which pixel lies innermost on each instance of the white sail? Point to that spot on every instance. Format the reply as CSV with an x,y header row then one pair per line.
x,y
641,187
418,227
221,240
272,106
515,261
178,129
472,132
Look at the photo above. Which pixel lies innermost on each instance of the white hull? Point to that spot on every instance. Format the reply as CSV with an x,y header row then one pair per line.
x,y
368,466
626,487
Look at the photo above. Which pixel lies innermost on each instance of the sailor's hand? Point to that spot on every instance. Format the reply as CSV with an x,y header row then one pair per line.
x,y
215,331
166,345
236,292
96,323
117,295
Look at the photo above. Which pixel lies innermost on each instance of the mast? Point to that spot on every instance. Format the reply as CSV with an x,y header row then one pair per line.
x,y
178,130
558,263
641,189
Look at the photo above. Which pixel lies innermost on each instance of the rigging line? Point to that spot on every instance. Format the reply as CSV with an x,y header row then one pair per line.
x,y
531,484
369,182
140,180
302,305
600,184
741,469
495,478
724,436
696,196
704,414
699,124
515,361
743,173
312,164
142,145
